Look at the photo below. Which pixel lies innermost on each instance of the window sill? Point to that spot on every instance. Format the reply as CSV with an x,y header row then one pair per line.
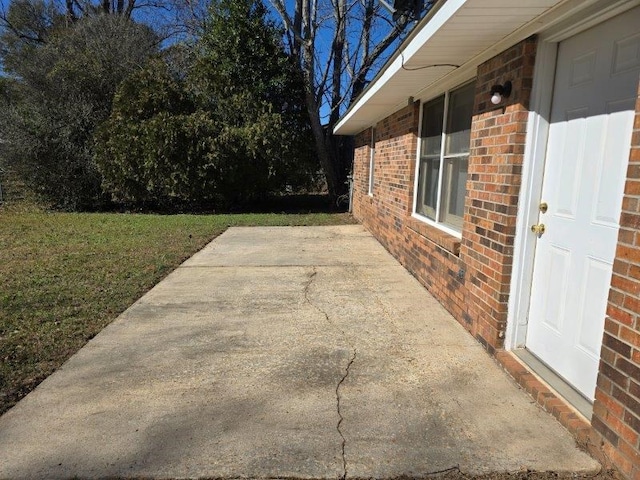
x,y
434,234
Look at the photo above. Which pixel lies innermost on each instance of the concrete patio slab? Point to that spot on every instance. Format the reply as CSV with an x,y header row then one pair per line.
x,y
304,352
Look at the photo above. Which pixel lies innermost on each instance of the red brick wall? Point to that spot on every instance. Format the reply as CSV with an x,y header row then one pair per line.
x,y
470,277
495,167
616,411
361,157
426,252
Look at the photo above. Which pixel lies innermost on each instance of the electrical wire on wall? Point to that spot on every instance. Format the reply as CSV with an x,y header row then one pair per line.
x,y
408,69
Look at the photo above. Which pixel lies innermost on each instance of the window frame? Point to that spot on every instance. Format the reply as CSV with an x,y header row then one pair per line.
x,y
443,158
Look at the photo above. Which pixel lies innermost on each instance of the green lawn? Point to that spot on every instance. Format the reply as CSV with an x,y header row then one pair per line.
x,y
64,277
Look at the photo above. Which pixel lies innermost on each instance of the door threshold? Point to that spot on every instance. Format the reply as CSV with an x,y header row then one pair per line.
x,y
565,390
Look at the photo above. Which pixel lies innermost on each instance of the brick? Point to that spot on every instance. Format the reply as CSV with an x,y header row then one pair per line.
x,y
623,464
630,336
631,303
625,284
619,314
634,423
609,403
634,388
616,297
626,236
620,266
604,430
607,355
632,187
628,368
611,326
616,345
614,375
629,452
603,383
629,402
622,429
628,253
630,204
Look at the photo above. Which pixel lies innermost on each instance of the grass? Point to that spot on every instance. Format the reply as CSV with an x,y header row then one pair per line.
x,y
64,277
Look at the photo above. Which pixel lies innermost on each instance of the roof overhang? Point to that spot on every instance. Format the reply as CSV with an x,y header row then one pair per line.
x,y
456,35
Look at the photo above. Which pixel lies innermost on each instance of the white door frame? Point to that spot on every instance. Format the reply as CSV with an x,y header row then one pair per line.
x,y
530,191
534,158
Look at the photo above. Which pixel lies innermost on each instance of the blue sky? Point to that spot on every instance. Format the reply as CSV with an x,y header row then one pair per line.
x,y
325,37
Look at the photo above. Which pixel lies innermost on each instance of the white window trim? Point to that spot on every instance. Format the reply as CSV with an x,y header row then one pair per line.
x,y
415,214
372,154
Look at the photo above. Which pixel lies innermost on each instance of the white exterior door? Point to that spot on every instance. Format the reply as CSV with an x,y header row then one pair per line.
x,y
588,149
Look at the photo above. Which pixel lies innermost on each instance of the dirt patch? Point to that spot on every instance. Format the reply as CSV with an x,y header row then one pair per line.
x,y
456,474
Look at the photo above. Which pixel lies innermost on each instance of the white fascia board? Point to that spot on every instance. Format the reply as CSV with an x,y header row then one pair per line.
x,y
444,13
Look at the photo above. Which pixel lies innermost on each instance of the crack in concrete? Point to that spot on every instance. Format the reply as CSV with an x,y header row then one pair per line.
x,y
326,315
347,369
340,417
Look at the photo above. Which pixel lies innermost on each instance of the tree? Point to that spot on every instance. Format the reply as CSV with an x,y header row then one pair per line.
x,y
30,21
359,34
156,148
223,126
243,65
63,88
25,24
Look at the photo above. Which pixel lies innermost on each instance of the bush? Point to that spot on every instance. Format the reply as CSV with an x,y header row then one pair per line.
x,y
204,131
62,92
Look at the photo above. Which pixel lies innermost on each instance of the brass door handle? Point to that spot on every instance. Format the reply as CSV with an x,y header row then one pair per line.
x,y
538,229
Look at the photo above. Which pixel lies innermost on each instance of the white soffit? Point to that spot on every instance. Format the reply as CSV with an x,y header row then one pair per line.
x,y
459,31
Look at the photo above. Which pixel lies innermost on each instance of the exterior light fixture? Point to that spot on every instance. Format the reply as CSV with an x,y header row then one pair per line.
x,y
498,92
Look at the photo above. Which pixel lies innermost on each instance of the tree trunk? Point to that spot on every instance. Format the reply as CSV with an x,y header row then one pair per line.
x,y
130,6
322,136
325,149
337,51
335,153
70,13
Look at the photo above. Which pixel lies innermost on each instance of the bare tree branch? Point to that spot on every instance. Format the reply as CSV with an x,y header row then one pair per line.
x,y
71,16
322,82
336,43
289,25
379,49
337,50
33,35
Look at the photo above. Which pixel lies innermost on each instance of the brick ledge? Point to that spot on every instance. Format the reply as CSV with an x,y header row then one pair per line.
x,y
547,398
435,235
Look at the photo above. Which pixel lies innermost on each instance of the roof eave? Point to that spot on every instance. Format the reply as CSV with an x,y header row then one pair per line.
x,y
463,33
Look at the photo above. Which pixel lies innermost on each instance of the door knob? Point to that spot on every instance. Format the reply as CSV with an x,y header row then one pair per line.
x,y
538,229
544,207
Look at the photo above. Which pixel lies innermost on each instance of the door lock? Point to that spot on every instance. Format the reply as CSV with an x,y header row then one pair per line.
x,y
544,207
538,229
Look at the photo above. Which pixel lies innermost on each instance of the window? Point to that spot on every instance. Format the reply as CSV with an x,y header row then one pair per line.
x,y
444,157
372,158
